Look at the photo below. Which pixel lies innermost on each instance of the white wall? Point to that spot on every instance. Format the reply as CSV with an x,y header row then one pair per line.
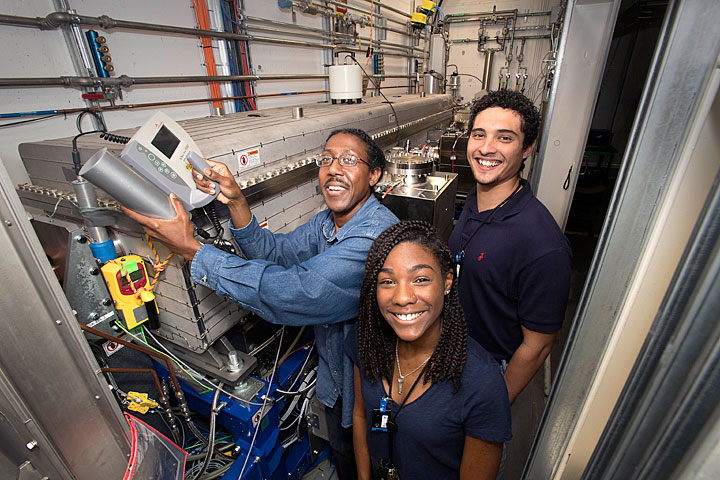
x,y
470,61
29,52
268,58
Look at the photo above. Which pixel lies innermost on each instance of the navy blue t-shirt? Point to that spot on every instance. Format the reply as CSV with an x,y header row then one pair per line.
x,y
516,271
431,429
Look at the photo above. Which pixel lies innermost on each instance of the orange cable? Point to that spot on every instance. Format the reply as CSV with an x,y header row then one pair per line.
x,y
201,15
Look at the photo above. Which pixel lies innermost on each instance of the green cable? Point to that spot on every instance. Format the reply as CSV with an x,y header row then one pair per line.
x,y
199,444
57,204
141,330
163,354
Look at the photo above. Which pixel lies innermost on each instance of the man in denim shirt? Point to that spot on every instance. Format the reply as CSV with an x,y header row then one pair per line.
x,y
311,276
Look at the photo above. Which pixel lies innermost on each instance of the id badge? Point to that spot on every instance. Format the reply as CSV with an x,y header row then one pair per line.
x,y
381,416
380,421
459,258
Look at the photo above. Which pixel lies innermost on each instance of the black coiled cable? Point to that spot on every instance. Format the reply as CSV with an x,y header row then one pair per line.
x,y
110,137
211,211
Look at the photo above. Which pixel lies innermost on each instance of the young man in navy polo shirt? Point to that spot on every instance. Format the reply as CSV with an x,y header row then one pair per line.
x,y
513,259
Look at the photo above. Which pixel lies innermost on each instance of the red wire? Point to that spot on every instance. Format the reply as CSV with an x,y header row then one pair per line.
x,y
296,350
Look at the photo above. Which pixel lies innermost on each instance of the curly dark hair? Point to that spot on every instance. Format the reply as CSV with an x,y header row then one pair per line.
x,y
376,156
511,100
376,339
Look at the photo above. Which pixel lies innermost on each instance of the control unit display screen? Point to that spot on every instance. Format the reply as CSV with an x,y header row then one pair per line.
x,y
165,141
134,277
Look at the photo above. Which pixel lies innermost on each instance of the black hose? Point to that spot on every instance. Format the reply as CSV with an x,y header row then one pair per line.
x,y
77,165
195,431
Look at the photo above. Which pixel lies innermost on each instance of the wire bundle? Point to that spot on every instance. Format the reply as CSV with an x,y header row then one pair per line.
x,y
238,54
201,15
219,460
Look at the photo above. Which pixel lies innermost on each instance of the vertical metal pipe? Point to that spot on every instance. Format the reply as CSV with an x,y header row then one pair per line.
x,y
487,69
86,198
411,65
78,50
327,55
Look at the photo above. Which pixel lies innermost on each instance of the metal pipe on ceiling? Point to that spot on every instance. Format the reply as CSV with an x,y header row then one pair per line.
x,y
58,19
367,12
325,34
20,21
292,25
136,106
311,29
533,27
126,81
497,13
390,29
519,37
388,7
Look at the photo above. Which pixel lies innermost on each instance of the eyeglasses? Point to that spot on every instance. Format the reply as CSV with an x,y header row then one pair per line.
x,y
345,160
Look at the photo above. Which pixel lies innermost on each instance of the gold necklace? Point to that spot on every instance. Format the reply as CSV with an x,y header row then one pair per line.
x,y
401,377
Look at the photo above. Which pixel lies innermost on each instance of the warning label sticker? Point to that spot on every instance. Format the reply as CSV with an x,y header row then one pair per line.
x,y
248,158
111,347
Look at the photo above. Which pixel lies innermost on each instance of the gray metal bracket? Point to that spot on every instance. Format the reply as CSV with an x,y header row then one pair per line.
x,y
232,367
85,287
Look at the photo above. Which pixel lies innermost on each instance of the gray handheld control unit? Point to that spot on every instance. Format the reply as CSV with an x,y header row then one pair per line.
x,y
159,150
151,167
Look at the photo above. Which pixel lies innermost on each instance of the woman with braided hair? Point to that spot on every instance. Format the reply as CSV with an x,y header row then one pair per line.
x,y
429,402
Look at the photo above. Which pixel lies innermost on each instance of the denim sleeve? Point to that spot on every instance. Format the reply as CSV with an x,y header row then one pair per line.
x,y
322,289
283,249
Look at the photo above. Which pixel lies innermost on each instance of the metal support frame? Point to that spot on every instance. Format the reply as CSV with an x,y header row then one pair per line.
x,y
673,395
47,371
584,45
658,196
